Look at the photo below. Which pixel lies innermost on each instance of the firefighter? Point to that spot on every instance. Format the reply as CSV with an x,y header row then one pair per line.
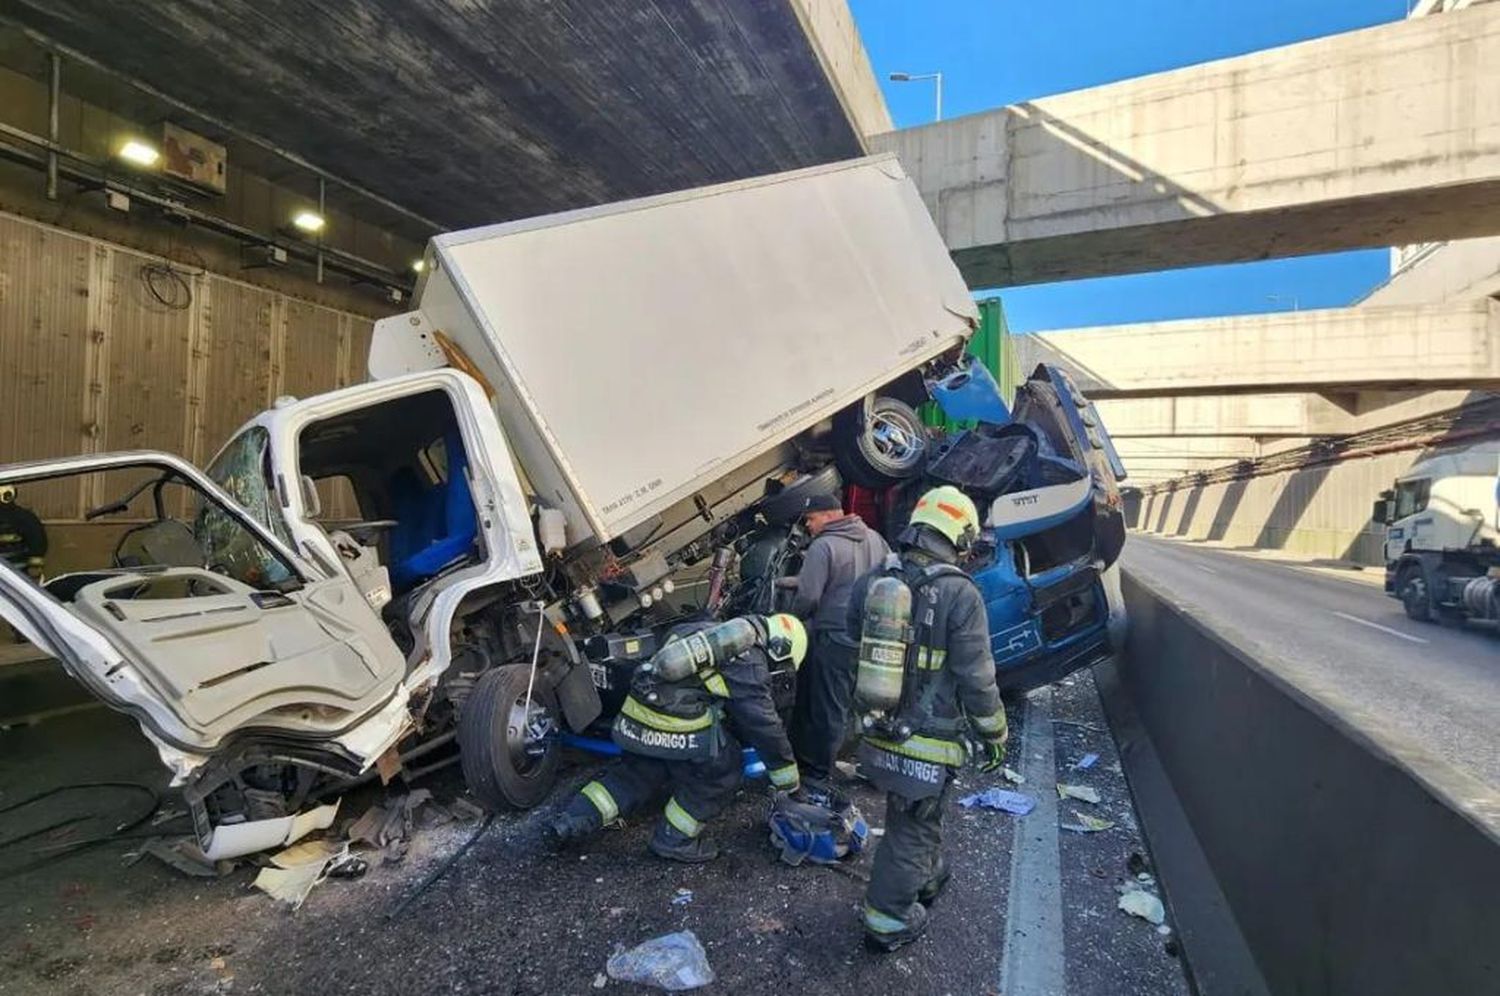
x,y
683,731
842,550
23,540
947,684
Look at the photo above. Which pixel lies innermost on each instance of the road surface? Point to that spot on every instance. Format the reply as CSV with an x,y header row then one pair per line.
x,y
1437,686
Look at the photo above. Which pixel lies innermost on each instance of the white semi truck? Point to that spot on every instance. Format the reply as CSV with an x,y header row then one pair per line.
x,y
1442,535
479,543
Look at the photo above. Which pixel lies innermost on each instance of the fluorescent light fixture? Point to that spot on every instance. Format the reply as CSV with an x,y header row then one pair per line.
x,y
308,221
138,152
418,265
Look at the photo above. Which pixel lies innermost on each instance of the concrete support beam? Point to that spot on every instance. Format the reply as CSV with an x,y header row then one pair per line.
x,y
835,41
1343,350
1385,136
1460,270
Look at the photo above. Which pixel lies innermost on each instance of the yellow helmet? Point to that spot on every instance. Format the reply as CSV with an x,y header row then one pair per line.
x,y
950,512
786,638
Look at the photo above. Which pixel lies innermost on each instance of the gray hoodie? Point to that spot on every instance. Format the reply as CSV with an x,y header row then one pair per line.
x,y
845,550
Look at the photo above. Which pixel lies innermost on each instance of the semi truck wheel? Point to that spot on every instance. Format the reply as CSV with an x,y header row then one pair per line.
x,y
885,447
1416,599
508,753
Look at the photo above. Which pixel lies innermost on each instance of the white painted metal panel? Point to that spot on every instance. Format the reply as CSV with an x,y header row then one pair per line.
x,y
653,345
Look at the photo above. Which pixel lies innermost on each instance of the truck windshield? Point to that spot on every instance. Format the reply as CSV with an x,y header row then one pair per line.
x,y
1411,497
243,470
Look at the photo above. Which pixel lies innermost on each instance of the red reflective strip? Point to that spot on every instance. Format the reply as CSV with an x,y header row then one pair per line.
x,y
952,510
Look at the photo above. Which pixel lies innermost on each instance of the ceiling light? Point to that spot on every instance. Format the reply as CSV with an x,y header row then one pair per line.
x,y
418,265
308,221
138,152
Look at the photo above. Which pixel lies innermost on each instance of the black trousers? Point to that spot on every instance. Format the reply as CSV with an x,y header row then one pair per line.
x,y
825,686
700,790
909,855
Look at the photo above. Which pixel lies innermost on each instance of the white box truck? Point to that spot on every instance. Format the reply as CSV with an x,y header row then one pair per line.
x,y
579,406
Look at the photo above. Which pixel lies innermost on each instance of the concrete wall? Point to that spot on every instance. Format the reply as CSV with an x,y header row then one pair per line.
x,y
1341,349
1381,136
91,362
1465,269
1321,511
1301,850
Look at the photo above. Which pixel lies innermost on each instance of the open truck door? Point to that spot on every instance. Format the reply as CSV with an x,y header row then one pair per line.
x,y
216,637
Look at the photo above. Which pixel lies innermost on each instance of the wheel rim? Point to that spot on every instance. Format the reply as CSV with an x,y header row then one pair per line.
x,y
896,438
526,735
1415,594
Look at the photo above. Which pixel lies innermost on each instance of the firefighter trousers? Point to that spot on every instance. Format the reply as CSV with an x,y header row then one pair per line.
x,y
909,858
699,789
825,685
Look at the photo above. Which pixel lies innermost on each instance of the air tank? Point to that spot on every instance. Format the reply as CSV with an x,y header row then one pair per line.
x,y
704,649
882,645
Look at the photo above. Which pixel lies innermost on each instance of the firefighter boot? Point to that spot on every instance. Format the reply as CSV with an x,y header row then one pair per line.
x,y
884,934
570,826
674,845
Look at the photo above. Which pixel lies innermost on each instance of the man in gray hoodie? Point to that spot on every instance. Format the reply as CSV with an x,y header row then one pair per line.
x,y
843,549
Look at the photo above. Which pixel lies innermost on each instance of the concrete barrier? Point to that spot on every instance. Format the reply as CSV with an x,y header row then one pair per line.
x,y
1300,853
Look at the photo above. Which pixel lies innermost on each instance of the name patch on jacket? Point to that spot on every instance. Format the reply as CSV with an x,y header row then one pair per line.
x,y
640,739
908,776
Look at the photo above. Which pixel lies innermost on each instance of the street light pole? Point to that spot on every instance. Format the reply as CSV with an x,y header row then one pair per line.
x,y
937,79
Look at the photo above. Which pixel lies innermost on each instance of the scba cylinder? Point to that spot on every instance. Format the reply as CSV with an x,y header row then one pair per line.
x,y
882,645
704,649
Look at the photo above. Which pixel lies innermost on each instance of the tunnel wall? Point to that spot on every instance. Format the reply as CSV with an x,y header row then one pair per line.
x,y
1340,861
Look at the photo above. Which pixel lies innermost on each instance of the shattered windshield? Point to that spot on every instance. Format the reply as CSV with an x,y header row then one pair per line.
x,y
243,470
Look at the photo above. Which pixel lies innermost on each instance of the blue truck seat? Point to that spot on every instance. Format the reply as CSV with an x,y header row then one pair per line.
x,y
436,524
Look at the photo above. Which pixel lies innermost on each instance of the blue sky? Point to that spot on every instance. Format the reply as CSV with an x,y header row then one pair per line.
x,y
994,52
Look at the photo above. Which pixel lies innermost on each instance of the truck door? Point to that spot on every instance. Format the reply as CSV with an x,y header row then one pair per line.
x,y
208,626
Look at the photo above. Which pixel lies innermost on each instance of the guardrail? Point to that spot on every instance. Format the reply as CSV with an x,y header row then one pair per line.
x,y
1299,852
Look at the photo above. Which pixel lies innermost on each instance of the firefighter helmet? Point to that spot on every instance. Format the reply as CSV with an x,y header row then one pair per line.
x,y
786,638
951,513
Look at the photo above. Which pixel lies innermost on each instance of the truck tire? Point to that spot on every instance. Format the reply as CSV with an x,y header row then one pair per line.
x,y
888,447
785,506
1412,589
492,747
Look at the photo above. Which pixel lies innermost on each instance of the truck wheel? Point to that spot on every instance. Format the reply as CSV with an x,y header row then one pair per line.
x,y
785,506
1411,585
509,758
888,447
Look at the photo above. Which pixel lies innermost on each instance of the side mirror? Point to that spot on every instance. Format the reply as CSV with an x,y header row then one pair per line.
x,y
1383,513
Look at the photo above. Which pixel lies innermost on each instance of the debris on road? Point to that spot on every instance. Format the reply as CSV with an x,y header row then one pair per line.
x,y
1083,793
683,897
297,869
674,962
1084,823
1139,902
1004,800
1086,762
1013,776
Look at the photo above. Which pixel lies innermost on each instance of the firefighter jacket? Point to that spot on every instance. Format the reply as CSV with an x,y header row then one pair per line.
x,y
949,681
708,712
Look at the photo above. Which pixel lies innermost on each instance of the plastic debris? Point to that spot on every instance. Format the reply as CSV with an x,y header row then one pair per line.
x,y
674,962
1083,793
1004,800
295,870
683,897
601,980
1086,761
1138,902
1084,823
1013,776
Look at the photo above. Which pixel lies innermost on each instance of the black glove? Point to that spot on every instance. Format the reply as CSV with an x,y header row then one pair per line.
x,y
994,755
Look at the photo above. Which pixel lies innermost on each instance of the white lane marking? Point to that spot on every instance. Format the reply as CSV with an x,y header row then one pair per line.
x,y
1206,570
1031,963
1383,629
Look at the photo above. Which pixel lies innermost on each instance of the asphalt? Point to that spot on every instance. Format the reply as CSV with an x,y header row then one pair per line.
x,y
511,917
1437,686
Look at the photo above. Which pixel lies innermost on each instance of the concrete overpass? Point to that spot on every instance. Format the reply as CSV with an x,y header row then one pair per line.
x,y
1371,138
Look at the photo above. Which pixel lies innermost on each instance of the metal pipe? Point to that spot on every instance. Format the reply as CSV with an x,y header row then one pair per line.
x,y
54,99
323,214
44,41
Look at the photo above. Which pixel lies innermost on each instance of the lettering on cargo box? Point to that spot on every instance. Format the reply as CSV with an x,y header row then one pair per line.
x,y
795,410
641,492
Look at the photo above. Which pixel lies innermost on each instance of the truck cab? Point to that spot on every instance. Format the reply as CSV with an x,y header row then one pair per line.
x,y
1442,535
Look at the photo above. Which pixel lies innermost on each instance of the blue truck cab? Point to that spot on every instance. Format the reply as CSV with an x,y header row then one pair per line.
x,y
1046,479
